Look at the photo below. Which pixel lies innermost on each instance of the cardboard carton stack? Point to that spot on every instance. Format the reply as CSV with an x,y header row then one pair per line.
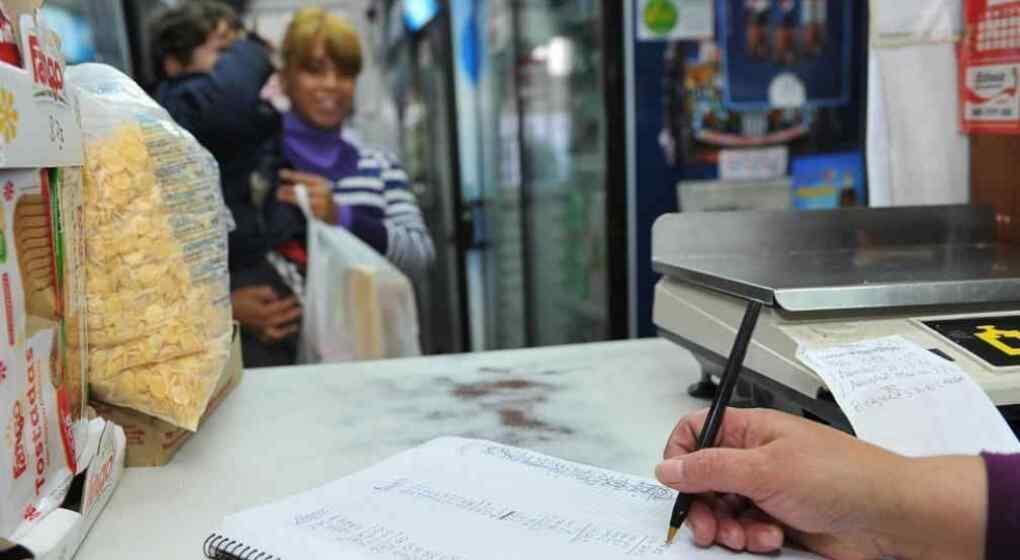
x,y
49,439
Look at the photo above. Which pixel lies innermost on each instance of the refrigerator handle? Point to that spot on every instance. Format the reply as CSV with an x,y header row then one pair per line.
x,y
473,226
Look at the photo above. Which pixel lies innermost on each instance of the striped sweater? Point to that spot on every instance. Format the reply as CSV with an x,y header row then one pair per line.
x,y
373,200
376,204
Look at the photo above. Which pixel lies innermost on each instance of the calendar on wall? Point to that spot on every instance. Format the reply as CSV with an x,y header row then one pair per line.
x,y
990,67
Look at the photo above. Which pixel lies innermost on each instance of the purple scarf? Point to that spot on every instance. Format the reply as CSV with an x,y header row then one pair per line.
x,y
315,150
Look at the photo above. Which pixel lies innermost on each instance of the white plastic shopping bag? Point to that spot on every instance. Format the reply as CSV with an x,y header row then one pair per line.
x,y
357,306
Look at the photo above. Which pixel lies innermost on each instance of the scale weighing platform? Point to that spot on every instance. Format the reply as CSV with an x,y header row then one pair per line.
x,y
934,275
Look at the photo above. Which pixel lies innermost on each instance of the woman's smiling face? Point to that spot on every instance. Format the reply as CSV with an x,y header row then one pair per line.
x,y
319,90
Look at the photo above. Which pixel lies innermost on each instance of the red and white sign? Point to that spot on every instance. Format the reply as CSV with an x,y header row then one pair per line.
x,y
43,57
39,125
8,42
990,67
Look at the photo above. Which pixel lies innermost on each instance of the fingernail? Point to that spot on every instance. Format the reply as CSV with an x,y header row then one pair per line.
x,y
693,525
671,471
731,536
773,538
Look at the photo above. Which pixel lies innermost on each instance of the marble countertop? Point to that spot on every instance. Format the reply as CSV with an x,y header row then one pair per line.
x,y
286,430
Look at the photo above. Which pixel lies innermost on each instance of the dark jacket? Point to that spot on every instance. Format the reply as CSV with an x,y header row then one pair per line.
x,y
225,113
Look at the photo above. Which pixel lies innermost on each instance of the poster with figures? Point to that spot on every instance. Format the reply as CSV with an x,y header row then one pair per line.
x,y
697,121
990,67
786,53
681,122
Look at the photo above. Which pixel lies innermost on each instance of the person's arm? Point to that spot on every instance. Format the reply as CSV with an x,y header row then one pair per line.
x,y
381,211
344,203
1003,537
774,477
262,312
409,244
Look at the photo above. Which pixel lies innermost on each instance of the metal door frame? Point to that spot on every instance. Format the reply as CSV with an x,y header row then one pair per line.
x,y
442,24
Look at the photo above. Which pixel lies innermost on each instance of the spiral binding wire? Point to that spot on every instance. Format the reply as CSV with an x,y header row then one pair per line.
x,y
218,547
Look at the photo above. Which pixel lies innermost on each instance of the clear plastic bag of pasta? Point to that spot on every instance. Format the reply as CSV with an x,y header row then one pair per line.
x,y
157,284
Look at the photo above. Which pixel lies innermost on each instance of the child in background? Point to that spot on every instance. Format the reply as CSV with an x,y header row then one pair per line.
x,y
211,75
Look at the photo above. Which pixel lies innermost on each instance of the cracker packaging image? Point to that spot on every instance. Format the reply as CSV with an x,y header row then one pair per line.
x,y
38,402
43,434
36,260
158,305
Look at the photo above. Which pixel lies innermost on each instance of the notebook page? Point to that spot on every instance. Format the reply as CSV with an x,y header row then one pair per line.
x,y
902,397
454,499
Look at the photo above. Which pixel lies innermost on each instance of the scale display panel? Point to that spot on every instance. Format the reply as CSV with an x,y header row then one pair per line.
x,y
993,339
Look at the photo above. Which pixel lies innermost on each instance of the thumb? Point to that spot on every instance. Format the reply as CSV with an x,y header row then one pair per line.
x,y
729,471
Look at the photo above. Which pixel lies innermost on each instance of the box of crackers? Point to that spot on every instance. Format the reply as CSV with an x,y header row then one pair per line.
x,y
42,383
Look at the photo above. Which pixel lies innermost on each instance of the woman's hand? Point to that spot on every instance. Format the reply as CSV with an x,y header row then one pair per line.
x,y
775,476
320,193
265,314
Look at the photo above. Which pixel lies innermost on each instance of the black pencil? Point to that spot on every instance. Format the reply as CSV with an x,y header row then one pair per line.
x,y
710,431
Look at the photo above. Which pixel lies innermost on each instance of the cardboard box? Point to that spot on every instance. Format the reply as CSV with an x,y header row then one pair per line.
x,y
41,399
38,117
59,534
152,442
76,461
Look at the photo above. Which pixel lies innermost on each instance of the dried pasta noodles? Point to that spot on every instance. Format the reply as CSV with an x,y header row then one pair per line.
x,y
158,311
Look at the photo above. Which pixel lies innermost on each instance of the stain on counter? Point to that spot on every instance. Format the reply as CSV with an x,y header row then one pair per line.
x,y
482,389
514,401
516,418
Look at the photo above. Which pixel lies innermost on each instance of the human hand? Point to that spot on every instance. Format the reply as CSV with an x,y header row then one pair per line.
x,y
775,476
320,193
264,313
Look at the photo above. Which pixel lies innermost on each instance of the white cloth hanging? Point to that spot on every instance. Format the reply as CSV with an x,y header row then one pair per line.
x,y
916,153
901,22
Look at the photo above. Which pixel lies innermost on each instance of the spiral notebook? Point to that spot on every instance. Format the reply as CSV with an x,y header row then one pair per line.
x,y
460,499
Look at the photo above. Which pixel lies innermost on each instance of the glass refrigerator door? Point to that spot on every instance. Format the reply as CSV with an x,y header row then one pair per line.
x,y
430,137
531,116
506,281
561,106
419,76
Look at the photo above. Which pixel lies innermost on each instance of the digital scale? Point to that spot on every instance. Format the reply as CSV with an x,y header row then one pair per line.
x,y
934,275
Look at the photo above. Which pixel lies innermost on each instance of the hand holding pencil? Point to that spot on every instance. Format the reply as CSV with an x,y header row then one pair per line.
x,y
773,477
713,421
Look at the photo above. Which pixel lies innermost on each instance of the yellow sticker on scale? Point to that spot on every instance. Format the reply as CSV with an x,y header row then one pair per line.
x,y
997,339
994,340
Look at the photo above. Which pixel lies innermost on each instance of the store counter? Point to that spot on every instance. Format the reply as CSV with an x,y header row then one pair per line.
x,y
288,430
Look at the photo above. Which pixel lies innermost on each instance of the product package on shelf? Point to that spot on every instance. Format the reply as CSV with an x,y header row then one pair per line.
x,y
42,401
58,535
158,319
42,388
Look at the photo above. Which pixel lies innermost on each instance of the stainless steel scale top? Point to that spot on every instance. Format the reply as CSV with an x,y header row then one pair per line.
x,y
851,259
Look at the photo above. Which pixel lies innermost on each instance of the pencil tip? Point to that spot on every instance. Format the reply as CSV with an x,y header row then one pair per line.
x,y
670,535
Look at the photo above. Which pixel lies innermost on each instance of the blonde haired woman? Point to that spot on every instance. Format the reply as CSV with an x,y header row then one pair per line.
x,y
360,189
